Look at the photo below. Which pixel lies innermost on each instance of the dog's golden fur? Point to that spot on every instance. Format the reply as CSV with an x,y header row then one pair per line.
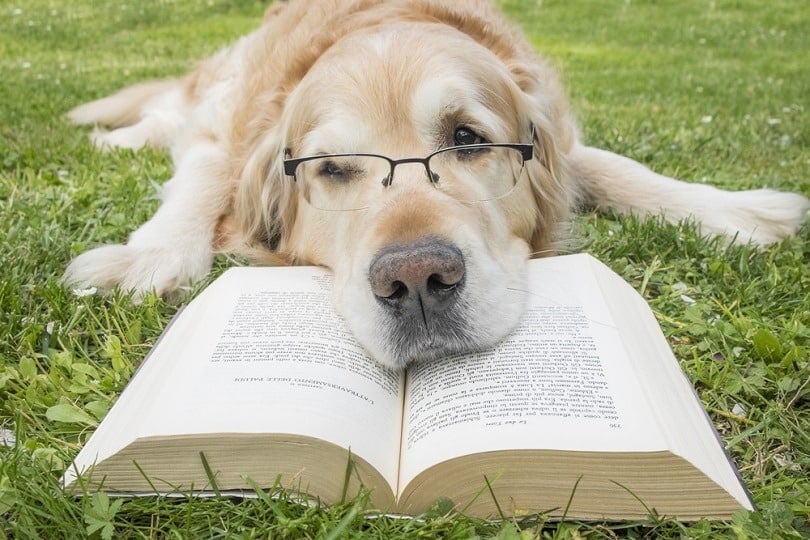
x,y
394,78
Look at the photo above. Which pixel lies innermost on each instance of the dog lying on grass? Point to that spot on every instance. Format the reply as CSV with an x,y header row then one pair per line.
x,y
419,149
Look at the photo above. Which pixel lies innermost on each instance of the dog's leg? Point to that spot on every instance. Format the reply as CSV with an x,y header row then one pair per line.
x,y
123,108
173,248
140,115
761,216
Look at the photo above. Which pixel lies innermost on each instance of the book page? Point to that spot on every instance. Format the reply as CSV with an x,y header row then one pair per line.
x,y
263,351
561,381
673,401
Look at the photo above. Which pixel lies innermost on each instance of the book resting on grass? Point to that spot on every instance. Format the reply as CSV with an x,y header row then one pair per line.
x,y
582,411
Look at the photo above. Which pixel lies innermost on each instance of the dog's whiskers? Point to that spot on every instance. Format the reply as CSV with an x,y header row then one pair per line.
x,y
553,251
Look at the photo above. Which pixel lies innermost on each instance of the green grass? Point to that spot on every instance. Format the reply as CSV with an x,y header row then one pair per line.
x,y
709,91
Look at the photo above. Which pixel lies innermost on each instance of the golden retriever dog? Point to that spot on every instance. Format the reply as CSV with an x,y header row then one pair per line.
x,y
420,149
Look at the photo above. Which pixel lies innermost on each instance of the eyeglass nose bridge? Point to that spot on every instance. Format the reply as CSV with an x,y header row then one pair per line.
x,y
388,180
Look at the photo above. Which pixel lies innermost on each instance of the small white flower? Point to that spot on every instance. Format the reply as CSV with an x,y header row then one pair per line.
x,y
737,351
773,121
786,462
17,11
7,437
688,299
706,119
26,65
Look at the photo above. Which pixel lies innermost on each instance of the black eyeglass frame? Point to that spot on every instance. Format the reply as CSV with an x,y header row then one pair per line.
x,y
526,152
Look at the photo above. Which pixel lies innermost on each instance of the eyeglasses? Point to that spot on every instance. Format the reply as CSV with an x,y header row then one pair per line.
x,y
470,173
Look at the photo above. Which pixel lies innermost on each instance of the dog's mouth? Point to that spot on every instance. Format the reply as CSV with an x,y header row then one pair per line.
x,y
418,335
415,342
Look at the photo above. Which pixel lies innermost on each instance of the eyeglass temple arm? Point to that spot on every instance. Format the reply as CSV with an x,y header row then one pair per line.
x,y
290,164
527,150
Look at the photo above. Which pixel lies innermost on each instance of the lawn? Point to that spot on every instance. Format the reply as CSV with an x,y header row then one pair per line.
x,y
707,91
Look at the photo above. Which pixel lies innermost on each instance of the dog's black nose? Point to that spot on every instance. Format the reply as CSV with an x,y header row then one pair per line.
x,y
419,278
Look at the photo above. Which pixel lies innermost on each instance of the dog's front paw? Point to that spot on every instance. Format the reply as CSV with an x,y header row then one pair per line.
x,y
139,269
127,137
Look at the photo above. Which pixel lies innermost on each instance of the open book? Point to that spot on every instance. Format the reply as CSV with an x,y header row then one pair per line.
x,y
584,401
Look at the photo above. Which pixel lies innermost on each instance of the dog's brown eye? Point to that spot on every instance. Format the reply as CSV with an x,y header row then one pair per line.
x,y
337,169
464,136
331,169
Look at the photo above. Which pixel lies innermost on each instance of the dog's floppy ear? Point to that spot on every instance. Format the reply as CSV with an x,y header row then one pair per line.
x,y
554,134
265,202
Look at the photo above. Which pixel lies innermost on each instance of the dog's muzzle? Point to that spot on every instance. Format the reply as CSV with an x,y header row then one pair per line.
x,y
420,290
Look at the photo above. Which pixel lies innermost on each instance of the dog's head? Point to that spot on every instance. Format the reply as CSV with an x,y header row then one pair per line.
x,y
429,260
